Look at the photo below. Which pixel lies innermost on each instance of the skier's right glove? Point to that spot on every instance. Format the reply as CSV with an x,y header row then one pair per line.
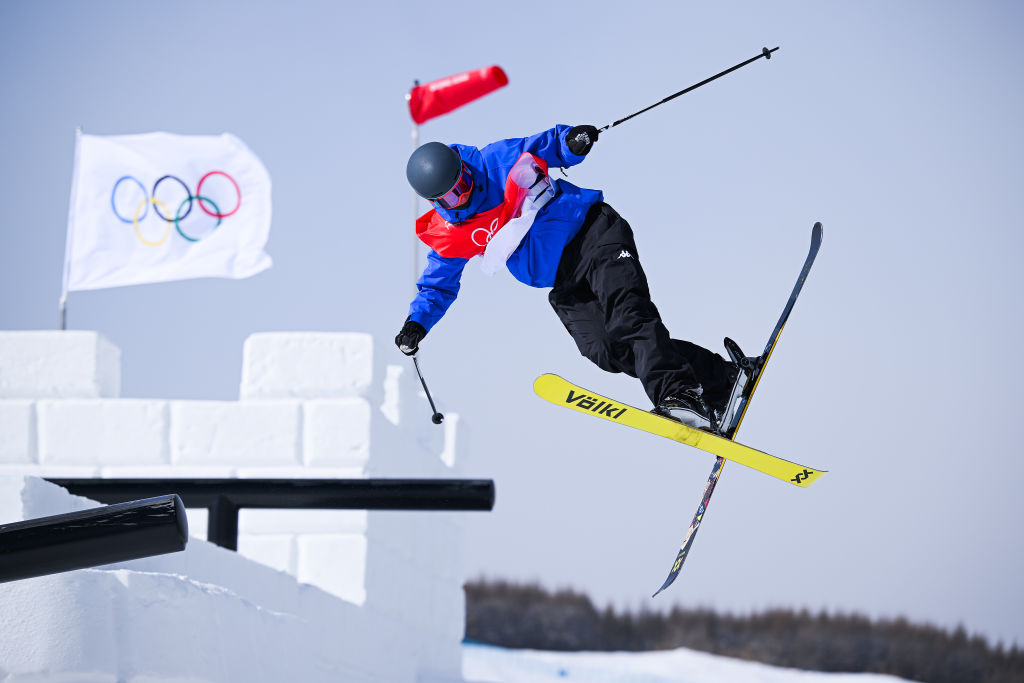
x,y
408,340
580,139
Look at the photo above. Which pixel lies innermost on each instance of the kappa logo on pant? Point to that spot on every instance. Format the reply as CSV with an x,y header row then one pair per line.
x,y
623,254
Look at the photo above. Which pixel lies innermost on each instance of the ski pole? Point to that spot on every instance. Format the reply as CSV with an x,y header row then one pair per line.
x,y
765,52
437,417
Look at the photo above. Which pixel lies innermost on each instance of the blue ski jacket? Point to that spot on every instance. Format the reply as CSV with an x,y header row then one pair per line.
x,y
535,261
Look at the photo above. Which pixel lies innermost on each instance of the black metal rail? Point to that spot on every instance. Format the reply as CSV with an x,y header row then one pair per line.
x,y
225,497
89,538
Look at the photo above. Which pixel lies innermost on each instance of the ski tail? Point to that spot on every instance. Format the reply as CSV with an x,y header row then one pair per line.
x,y
738,410
691,533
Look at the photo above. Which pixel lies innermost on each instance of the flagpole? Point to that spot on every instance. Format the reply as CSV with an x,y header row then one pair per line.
x,y
63,304
415,198
415,215
445,95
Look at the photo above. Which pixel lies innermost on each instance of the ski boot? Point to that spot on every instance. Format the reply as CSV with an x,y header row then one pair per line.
x,y
689,407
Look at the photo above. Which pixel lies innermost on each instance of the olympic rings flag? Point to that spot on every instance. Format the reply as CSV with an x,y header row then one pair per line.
x,y
157,207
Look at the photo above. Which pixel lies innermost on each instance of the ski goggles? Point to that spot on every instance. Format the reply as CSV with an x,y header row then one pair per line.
x,y
455,196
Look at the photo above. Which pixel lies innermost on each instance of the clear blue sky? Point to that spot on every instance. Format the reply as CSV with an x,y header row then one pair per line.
x,y
896,124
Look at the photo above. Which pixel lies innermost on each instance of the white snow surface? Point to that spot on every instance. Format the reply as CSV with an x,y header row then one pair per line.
x,y
488,664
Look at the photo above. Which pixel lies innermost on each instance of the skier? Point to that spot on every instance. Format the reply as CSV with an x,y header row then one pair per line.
x,y
499,202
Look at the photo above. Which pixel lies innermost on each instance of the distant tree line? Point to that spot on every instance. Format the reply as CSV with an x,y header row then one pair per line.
x,y
527,616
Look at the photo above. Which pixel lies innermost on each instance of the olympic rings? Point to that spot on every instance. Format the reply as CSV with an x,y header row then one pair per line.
x,y
177,218
163,213
488,232
180,182
199,191
113,193
135,222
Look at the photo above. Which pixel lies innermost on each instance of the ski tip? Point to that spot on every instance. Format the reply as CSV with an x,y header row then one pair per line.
x,y
544,379
547,383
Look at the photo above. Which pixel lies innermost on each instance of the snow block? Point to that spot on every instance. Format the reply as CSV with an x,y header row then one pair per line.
x,y
298,472
68,651
167,471
306,365
324,547
198,522
17,432
41,498
302,521
391,408
336,433
259,433
133,626
102,432
335,563
43,364
24,498
274,550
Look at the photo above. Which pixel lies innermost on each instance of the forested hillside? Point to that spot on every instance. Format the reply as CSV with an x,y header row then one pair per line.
x,y
526,616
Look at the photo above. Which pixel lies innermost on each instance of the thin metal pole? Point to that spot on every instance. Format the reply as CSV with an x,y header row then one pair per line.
x,y
63,304
222,524
415,215
437,417
765,52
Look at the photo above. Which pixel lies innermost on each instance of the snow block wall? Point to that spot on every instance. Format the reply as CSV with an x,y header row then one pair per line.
x,y
311,595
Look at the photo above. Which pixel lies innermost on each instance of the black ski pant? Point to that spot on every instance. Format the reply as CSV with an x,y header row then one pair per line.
x,y
602,298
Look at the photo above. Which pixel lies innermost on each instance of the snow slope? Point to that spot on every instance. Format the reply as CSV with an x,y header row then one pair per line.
x,y
488,664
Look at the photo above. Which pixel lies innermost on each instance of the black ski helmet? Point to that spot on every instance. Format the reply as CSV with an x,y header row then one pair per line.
x,y
433,169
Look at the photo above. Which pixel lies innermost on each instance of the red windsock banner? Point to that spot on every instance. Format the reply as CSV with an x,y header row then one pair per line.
x,y
448,94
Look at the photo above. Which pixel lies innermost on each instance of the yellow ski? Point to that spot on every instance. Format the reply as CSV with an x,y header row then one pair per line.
x,y
562,392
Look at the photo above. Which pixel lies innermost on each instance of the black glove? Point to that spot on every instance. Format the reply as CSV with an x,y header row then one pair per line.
x,y
580,139
408,340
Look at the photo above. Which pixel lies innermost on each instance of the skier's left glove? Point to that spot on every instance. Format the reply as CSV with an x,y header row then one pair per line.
x,y
580,139
408,340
